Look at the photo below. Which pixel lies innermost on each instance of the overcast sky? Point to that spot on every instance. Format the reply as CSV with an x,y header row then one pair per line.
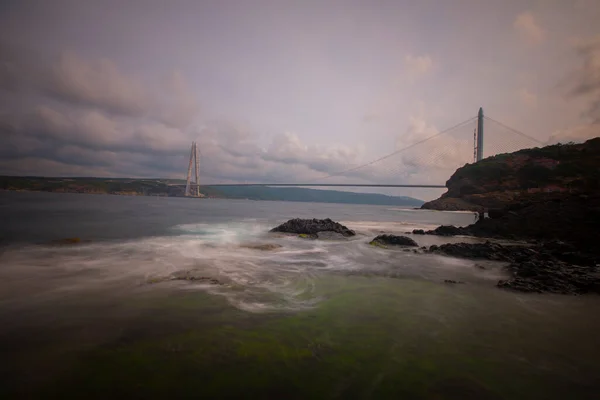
x,y
283,90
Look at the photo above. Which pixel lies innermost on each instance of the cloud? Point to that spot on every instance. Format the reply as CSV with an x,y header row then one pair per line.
x,y
585,81
18,67
181,107
527,98
288,149
109,144
528,28
436,156
417,66
96,83
95,130
576,134
100,85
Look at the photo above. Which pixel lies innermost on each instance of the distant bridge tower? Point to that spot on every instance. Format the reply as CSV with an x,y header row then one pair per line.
x,y
192,189
479,139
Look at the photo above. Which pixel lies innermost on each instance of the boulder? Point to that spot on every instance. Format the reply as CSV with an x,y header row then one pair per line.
x,y
312,227
393,240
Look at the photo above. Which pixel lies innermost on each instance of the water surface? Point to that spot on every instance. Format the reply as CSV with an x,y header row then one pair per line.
x,y
311,319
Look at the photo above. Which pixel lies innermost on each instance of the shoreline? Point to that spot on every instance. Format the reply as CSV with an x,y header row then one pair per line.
x,y
408,207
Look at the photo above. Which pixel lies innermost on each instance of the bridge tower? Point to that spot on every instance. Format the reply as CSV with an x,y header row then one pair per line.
x,y
193,189
479,139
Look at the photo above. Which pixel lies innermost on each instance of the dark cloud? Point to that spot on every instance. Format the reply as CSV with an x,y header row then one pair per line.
x,y
19,67
96,83
586,80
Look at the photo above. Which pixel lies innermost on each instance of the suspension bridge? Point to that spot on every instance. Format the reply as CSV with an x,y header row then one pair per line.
x,y
425,162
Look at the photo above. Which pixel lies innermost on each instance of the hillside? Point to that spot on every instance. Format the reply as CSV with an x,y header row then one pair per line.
x,y
165,187
505,179
314,195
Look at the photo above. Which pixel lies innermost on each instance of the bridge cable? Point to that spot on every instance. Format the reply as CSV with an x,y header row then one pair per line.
x,y
515,130
400,150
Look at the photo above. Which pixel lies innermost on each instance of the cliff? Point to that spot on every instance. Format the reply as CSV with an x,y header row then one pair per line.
x,y
507,179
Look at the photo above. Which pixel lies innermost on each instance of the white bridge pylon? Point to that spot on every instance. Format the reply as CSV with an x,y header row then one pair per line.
x,y
192,189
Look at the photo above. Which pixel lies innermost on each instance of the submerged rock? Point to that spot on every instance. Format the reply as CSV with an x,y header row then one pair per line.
x,y
451,281
384,240
264,247
313,227
192,275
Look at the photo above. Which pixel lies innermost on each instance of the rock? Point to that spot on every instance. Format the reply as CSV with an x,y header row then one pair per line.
x,y
328,235
264,247
451,204
495,213
540,268
312,227
448,230
452,281
487,251
418,232
383,240
192,275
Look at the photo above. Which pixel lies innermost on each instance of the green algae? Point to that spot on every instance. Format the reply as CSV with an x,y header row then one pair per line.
x,y
377,243
370,338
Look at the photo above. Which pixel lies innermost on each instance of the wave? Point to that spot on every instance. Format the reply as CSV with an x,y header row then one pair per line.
x,y
286,276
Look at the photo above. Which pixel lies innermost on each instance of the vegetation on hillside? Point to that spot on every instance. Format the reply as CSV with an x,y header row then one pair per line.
x,y
175,188
566,166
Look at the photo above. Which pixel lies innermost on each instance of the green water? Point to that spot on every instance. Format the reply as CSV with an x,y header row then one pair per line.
x,y
369,338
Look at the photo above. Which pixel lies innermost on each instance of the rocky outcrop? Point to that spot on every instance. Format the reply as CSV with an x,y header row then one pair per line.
x,y
499,181
451,204
444,230
570,218
312,227
393,240
553,267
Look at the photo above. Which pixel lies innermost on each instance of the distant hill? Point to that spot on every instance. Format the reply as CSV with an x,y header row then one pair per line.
x,y
164,187
313,195
498,181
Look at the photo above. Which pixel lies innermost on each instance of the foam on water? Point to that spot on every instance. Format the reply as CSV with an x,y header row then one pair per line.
x,y
286,278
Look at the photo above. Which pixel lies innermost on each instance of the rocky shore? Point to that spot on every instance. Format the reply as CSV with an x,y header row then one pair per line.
x,y
573,219
545,264
551,267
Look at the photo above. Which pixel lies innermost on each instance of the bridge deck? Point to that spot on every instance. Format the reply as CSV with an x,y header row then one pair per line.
x,y
324,185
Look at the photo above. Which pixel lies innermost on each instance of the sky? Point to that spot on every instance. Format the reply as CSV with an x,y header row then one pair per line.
x,y
286,90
